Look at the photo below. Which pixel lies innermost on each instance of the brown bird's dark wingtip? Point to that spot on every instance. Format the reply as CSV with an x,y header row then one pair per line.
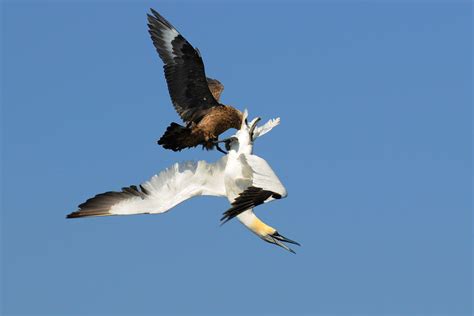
x,y
152,18
156,17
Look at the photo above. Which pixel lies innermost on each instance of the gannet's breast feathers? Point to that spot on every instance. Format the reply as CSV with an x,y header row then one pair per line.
x,y
265,187
184,71
263,175
161,193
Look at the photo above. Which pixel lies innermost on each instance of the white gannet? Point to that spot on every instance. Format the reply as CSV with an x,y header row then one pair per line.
x,y
245,179
250,181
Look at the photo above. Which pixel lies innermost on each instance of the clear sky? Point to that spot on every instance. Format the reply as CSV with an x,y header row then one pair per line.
x,y
374,148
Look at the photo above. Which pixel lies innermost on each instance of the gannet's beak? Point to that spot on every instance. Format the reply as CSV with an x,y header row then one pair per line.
x,y
253,126
282,238
277,239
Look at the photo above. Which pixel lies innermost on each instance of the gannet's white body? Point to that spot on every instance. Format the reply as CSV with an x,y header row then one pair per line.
x,y
250,181
245,179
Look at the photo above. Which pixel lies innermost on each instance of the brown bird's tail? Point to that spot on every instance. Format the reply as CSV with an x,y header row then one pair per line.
x,y
178,137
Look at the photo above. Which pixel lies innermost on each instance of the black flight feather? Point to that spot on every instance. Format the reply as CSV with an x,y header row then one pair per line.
x,y
184,70
100,204
248,199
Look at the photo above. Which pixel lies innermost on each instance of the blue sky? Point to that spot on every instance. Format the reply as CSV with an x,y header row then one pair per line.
x,y
374,148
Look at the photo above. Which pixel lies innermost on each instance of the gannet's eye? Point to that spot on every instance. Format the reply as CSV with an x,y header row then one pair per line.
x,y
246,122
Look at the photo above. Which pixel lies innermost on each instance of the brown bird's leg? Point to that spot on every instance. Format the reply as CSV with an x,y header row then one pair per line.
x,y
207,144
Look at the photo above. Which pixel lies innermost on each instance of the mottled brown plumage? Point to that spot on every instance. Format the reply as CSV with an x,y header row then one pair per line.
x,y
216,122
216,88
195,97
205,133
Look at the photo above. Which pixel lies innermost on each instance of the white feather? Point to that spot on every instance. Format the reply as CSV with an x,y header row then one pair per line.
x,y
175,185
263,176
168,36
244,169
268,126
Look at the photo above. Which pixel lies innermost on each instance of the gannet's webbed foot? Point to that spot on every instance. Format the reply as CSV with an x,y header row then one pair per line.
x,y
220,149
215,143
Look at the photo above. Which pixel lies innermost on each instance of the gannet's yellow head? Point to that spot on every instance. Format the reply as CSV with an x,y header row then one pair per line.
x,y
264,231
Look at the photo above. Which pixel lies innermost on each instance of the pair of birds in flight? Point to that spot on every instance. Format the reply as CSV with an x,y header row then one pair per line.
x,y
245,179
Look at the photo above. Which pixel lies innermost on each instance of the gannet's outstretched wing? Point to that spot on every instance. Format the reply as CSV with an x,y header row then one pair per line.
x,y
184,71
265,187
161,193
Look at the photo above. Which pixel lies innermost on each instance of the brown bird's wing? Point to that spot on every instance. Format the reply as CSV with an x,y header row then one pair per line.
x,y
216,88
184,70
